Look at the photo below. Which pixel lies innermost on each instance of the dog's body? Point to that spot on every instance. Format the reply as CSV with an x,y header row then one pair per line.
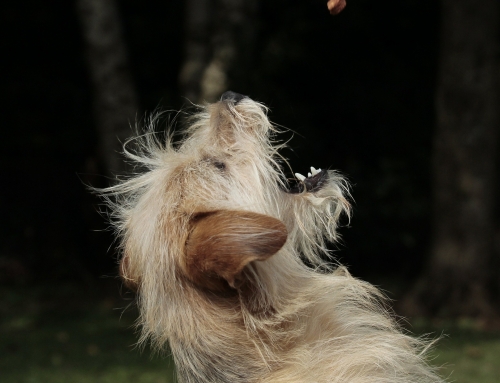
x,y
213,241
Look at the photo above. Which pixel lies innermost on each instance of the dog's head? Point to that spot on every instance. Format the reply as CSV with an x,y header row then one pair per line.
x,y
212,198
216,201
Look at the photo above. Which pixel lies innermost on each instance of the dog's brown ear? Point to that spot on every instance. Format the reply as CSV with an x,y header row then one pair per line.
x,y
223,242
129,280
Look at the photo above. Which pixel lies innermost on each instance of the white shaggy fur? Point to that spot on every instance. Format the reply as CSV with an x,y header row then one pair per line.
x,y
284,321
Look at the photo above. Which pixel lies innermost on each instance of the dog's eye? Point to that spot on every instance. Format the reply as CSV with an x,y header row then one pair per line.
x,y
220,165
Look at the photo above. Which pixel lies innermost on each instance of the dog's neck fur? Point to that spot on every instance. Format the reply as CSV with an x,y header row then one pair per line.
x,y
213,243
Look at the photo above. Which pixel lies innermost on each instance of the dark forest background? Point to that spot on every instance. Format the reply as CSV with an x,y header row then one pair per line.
x,y
366,92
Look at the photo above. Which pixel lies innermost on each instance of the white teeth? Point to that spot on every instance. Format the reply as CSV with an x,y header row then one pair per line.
x,y
300,177
315,171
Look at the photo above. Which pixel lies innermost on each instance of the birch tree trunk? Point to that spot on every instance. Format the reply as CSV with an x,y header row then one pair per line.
x,y
458,278
197,47
217,31
115,102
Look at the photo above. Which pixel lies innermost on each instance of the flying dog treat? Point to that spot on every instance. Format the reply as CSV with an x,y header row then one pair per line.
x,y
336,6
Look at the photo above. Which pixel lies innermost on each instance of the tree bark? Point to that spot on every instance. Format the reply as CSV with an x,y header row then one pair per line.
x,y
457,279
115,101
217,31
197,47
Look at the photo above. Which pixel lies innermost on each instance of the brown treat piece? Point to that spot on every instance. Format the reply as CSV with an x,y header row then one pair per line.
x,y
336,6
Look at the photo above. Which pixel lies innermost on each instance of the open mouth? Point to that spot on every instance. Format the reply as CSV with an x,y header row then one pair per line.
x,y
312,183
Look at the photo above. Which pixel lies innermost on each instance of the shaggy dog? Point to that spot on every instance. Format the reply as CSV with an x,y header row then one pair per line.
x,y
214,241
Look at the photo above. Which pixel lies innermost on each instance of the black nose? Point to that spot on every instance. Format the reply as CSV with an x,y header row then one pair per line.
x,y
232,96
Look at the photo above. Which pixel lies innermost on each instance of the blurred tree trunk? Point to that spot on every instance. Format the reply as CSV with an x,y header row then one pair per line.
x,y
217,31
115,102
459,276
196,47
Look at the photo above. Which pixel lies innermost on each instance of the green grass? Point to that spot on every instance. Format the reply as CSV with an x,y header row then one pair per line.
x,y
61,334
87,348
469,356
57,335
